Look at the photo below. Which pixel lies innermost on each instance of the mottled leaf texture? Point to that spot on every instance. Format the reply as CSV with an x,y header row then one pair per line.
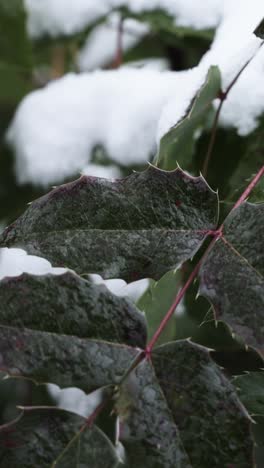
x,y
140,226
232,275
70,305
47,437
147,429
214,427
178,144
64,360
259,31
250,388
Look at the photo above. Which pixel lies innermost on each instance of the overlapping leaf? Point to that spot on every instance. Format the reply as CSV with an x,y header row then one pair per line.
x,y
67,361
140,226
232,275
187,387
177,146
203,404
46,437
69,305
250,389
147,429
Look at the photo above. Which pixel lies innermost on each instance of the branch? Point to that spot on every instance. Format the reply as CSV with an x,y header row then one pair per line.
x,y
222,96
216,235
119,50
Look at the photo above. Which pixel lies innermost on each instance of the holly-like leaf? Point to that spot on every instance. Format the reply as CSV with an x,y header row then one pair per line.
x,y
204,405
140,226
70,305
147,430
177,146
47,437
232,274
63,360
250,388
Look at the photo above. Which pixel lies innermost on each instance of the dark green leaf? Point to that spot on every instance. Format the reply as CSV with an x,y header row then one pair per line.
x,y
147,429
70,305
46,437
259,31
64,360
140,226
250,388
250,161
205,407
177,146
232,275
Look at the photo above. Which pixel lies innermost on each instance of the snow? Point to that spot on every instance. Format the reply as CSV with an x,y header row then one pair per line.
x,y
14,262
57,17
190,13
118,109
101,45
128,110
65,17
97,170
75,400
120,288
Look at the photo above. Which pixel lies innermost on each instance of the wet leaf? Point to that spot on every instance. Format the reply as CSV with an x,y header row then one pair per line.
x,y
63,360
204,405
140,226
147,429
250,388
70,305
47,437
232,275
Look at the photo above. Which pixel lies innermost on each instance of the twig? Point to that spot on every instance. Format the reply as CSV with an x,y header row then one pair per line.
x,y
222,96
119,50
216,235
249,189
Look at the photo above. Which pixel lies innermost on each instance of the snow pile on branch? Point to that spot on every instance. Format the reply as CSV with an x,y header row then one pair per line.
x,y
66,17
63,17
14,262
56,129
127,111
101,45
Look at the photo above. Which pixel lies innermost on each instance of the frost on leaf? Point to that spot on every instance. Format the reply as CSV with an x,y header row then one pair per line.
x,y
140,226
232,275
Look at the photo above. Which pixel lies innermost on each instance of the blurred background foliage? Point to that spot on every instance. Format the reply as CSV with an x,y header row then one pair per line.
x,y
26,65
